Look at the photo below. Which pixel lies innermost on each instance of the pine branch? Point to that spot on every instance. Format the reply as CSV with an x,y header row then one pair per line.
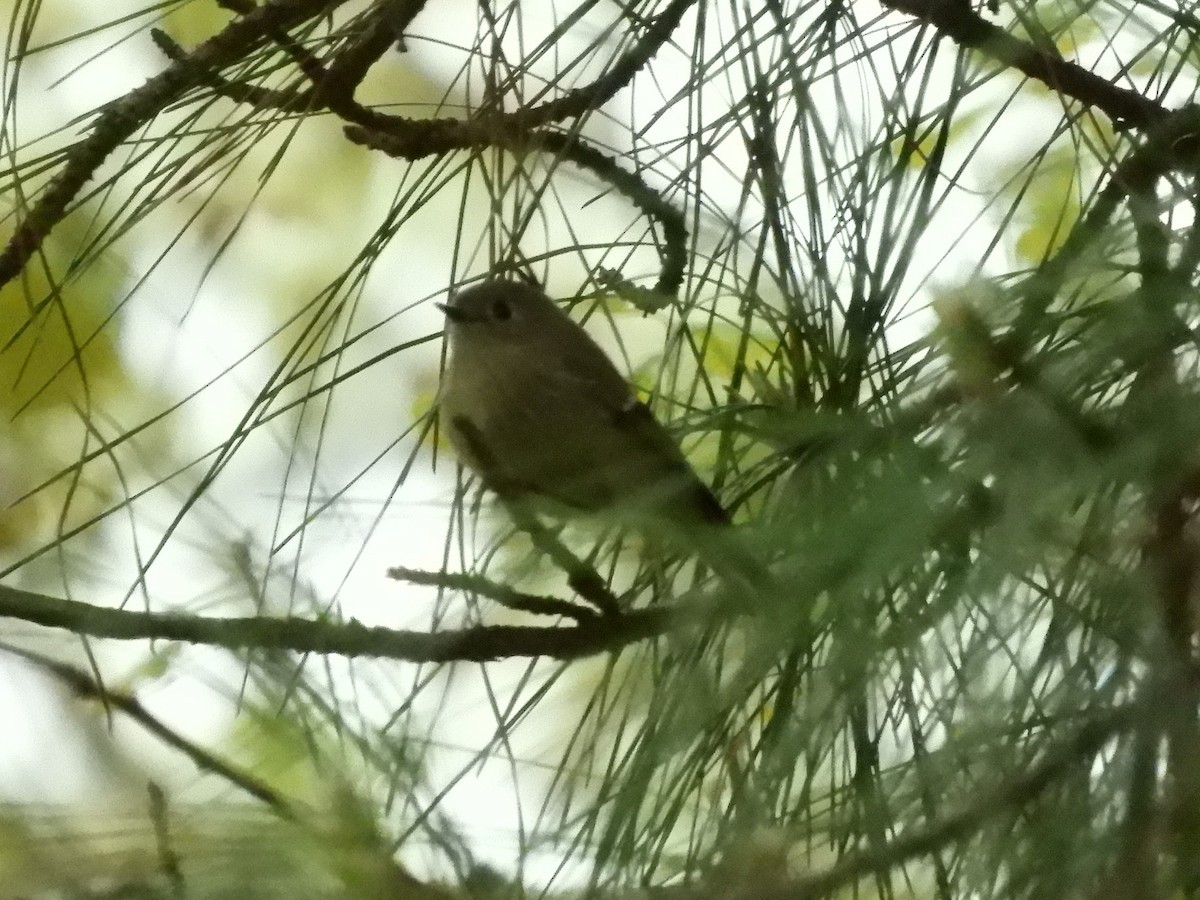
x,y
958,21
351,639
120,119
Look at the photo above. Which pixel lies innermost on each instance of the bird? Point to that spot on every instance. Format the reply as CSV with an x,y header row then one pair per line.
x,y
536,408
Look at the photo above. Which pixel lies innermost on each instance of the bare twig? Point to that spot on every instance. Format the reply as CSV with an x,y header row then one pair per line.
x,y
502,594
352,639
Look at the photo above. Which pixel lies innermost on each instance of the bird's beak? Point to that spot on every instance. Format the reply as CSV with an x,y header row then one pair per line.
x,y
455,314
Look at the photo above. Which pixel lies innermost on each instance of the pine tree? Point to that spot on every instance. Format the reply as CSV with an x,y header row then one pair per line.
x,y
910,285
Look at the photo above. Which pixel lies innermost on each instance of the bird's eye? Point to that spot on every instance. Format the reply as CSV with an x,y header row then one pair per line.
x,y
501,311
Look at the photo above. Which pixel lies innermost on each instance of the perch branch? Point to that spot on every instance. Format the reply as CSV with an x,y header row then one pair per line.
x,y
353,639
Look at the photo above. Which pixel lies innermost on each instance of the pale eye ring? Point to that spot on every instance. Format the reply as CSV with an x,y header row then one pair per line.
x,y
501,311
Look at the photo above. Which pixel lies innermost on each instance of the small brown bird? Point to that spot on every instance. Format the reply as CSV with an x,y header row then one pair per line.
x,y
535,407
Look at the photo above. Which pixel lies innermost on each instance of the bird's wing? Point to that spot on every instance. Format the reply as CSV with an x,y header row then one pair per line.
x,y
686,494
643,453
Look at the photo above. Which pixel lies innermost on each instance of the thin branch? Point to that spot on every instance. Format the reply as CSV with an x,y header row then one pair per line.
x,y
502,594
415,139
122,118
1173,145
238,92
590,97
84,685
353,639
958,21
